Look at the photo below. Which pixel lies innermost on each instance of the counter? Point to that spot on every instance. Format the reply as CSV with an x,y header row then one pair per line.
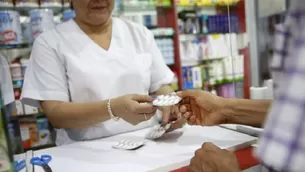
x,y
171,152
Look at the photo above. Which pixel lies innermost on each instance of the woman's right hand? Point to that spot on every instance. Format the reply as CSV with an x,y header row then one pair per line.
x,y
133,108
202,108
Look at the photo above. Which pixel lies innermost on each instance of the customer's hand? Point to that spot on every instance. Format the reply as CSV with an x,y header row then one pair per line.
x,y
202,108
211,158
171,114
133,108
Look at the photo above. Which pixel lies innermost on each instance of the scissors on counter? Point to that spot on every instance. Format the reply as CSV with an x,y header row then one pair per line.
x,y
19,165
43,162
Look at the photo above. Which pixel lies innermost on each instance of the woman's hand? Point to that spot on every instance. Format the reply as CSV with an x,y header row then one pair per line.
x,y
133,108
202,108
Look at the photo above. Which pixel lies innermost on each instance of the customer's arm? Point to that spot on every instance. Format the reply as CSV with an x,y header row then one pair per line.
x,y
246,112
205,109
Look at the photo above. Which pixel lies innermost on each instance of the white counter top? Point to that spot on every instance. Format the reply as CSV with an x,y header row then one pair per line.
x,y
171,152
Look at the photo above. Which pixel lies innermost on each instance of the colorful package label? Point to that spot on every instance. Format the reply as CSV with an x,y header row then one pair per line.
x,y
41,21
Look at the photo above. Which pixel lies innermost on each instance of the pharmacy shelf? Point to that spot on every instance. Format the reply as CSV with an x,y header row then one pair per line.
x,y
14,46
18,117
140,8
163,36
26,10
185,63
191,3
189,37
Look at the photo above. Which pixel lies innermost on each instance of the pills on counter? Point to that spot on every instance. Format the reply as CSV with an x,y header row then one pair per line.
x,y
128,145
157,131
166,100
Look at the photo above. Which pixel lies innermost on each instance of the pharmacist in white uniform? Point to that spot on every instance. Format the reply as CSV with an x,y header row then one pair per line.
x,y
93,75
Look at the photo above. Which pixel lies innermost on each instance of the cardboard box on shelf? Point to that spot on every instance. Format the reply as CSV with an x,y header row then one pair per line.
x,y
19,108
29,135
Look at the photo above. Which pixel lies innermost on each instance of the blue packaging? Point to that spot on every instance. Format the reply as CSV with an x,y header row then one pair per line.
x,y
220,24
204,24
184,78
226,24
68,14
148,20
189,78
10,28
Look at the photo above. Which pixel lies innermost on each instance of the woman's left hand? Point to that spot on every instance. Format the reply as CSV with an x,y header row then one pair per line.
x,y
171,114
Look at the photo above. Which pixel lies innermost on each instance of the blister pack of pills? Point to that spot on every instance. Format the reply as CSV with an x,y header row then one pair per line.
x,y
128,145
166,100
157,131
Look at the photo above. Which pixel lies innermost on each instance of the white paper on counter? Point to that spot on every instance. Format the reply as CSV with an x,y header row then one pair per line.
x,y
176,147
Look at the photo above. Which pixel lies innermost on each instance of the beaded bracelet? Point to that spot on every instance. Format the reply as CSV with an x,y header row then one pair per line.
x,y
110,111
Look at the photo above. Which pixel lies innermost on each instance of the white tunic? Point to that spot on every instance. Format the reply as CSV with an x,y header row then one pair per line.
x,y
66,65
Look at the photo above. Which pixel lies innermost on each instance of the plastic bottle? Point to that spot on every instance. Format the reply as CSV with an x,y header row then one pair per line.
x,y
175,82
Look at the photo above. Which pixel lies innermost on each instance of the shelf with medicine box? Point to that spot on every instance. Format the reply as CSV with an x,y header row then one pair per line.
x,y
218,74
201,61
25,10
28,127
134,5
14,117
24,29
207,36
35,133
160,14
204,3
28,131
14,46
